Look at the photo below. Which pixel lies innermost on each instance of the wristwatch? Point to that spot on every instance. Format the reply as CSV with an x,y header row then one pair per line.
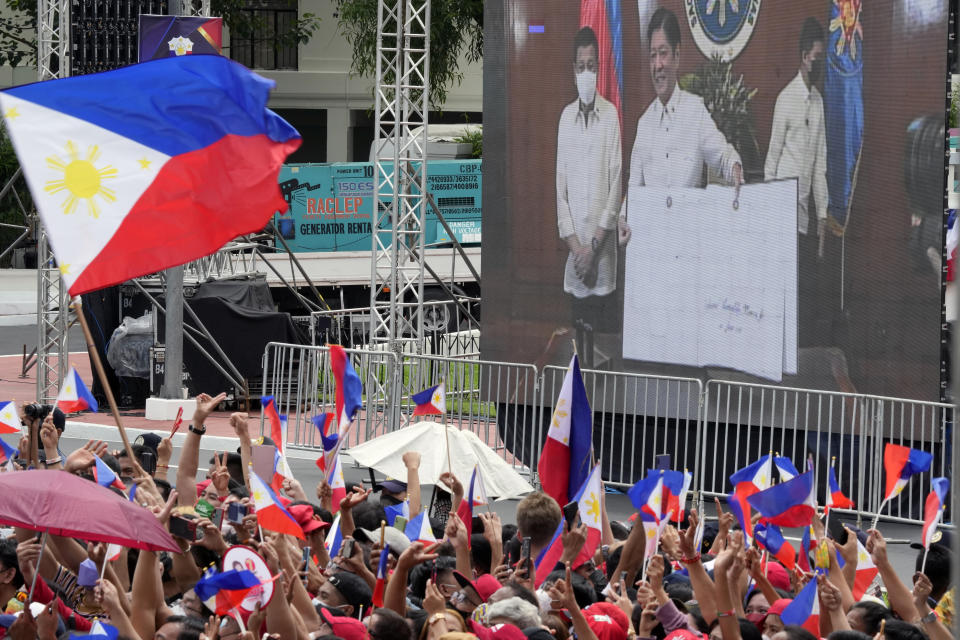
x,y
202,430
929,618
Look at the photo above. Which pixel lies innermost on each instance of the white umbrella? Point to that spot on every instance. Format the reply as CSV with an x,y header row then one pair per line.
x,y
384,454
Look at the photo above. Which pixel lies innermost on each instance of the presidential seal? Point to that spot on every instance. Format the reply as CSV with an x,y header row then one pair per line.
x,y
722,26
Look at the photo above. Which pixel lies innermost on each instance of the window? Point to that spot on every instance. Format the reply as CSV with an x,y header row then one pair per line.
x,y
262,50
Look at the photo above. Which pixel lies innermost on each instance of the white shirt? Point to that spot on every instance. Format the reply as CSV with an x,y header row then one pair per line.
x,y
588,188
798,147
675,141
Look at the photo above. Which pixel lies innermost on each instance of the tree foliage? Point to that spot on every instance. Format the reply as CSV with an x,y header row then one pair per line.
x,y
456,30
18,27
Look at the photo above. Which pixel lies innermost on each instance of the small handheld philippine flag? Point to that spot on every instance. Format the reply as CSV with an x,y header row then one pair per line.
x,y
105,476
9,418
432,401
900,463
74,395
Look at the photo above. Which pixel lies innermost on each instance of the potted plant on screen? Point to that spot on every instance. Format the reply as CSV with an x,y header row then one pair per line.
x,y
727,99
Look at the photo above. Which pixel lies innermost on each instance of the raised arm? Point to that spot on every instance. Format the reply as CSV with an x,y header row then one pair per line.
x,y
901,600
190,455
411,459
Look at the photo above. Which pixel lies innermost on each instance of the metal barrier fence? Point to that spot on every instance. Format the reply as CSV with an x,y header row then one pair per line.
x,y
712,429
741,422
450,327
636,417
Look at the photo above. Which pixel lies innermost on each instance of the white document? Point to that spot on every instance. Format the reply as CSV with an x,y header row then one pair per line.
x,y
710,285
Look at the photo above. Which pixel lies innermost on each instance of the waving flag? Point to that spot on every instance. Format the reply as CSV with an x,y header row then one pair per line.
x,y
933,509
843,104
647,496
804,611
270,513
74,396
476,497
225,590
334,537
900,463
746,482
104,475
281,470
806,546
419,529
7,454
771,538
432,401
676,484
788,504
9,418
148,166
565,461
589,509
349,391
785,468
394,511
381,583
866,573
323,423
99,631
278,423
337,486
604,17
835,497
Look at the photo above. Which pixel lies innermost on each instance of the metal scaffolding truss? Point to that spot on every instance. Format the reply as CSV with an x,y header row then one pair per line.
x,y
53,48
401,105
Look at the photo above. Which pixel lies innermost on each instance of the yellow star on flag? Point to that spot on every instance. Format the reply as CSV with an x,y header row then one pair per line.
x,y
651,533
863,557
69,389
593,508
65,269
11,113
144,163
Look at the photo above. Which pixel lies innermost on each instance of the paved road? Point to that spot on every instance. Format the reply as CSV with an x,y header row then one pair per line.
x,y
12,339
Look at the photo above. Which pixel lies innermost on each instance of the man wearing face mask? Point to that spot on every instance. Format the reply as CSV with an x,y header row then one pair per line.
x,y
588,195
798,149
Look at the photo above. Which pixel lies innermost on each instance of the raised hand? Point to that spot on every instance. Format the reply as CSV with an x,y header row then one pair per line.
x,y
877,547
451,481
220,478
414,555
206,405
433,600
238,420
411,459
356,496
456,531
687,539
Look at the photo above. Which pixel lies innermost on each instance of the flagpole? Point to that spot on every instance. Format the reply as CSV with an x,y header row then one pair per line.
x,y
98,365
36,569
876,518
826,521
923,564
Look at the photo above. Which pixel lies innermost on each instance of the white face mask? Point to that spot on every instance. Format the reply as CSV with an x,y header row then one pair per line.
x,y
587,86
544,599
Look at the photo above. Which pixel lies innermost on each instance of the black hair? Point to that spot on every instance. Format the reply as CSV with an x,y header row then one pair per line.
x,y
793,631
749,631
900,630
583,589
657,632
418,620
612,561
619,530
679,590
873,615
190,628
480,553
422,572
164,487
585,38
937,569
810,33
520,591
368,515
111,462
509,532
8,558
848,634
389,625
665,19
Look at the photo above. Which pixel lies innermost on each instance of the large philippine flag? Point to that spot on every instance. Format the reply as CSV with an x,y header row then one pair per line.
x,y
148,166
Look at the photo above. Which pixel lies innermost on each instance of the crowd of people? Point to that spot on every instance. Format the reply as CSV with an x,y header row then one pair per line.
x,y
477,581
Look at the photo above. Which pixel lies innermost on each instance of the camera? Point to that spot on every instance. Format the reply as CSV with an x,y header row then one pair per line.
x,y
37,411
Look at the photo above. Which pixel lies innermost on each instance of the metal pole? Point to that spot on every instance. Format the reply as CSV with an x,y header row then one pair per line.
x,y
173,340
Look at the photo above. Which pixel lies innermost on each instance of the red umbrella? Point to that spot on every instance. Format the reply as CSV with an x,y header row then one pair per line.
x,y
63,504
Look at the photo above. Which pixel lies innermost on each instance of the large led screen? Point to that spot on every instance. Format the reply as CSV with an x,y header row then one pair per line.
x,y
735,189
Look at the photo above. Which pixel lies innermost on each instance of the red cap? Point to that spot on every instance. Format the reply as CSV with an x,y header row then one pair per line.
x,y
346,628
686,634
778,606
497,632
778,576
303,514
485,585
607,621
201,486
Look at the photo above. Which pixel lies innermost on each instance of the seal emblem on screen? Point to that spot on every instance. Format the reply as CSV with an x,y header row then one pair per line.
x,y
722,27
